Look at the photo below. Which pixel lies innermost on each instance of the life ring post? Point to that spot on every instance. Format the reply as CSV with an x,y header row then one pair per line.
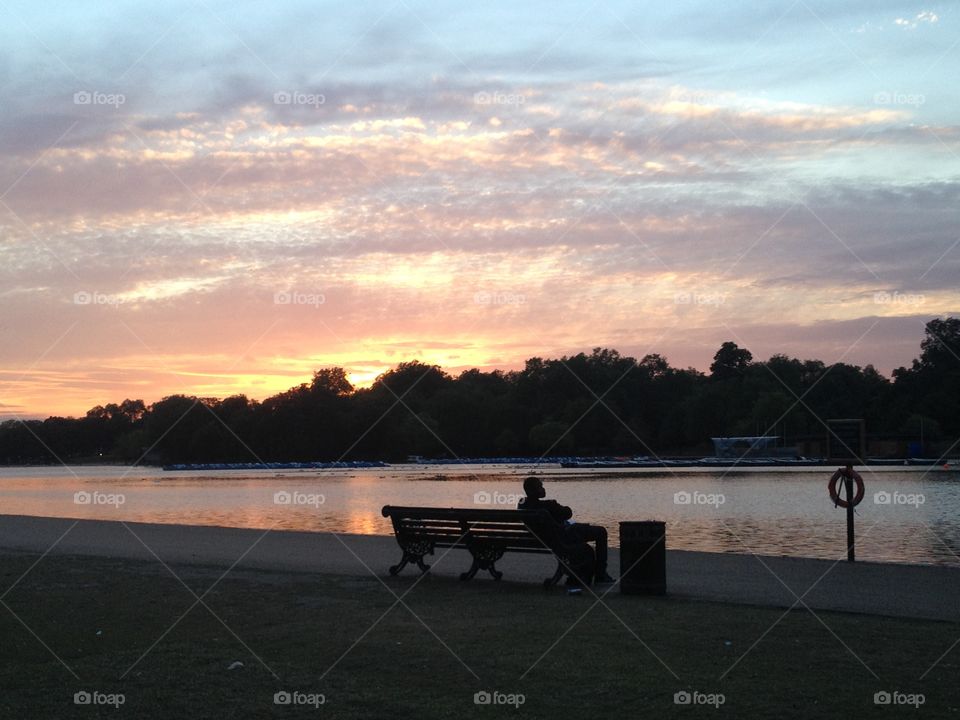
x,y
850,479
846,442
851,536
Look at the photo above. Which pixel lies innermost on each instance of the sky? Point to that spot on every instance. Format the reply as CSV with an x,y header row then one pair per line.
x,y
215,198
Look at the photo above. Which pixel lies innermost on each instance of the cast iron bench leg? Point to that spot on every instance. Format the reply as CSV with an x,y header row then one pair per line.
x,y
551,581
472,571
481,565
394,569
409,557
484,559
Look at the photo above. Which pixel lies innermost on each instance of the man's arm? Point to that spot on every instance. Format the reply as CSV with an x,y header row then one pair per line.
x,y
558,511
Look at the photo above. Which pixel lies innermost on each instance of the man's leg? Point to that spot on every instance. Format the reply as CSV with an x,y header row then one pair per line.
x,y
580,559
595,534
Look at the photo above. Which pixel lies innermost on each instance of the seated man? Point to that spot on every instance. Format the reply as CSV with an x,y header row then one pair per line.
x,y
572,531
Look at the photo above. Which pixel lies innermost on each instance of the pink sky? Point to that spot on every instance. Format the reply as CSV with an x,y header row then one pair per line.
x,y
216,216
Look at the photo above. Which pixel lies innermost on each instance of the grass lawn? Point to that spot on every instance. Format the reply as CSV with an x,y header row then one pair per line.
x,y
122,627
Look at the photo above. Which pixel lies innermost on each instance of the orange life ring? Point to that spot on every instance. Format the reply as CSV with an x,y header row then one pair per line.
x,y
834,487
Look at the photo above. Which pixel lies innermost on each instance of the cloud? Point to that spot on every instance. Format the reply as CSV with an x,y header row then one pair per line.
x,y
926,16
187,164
469,188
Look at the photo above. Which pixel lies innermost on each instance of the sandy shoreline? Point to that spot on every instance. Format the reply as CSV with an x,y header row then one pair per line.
x,y
912,591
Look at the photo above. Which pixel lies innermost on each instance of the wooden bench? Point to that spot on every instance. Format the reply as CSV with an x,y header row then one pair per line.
x,y
486,534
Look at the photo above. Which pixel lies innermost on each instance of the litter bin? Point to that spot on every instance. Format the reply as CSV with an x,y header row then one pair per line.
x,y
643,558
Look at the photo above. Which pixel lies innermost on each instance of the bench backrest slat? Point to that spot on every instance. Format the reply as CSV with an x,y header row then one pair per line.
x,y
527,530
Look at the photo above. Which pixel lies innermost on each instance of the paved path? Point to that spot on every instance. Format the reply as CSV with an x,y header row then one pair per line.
x,y
876,588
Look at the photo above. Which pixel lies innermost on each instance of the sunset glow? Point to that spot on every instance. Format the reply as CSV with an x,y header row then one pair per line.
x,y
233,197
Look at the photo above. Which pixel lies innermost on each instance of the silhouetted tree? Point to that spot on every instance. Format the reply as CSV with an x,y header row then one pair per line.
x,y
589,403
730,361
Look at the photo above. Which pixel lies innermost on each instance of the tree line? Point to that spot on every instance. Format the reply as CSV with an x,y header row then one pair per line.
x,y
601,403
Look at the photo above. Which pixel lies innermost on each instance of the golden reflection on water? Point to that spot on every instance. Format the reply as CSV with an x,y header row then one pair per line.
x,y
763,513
362,523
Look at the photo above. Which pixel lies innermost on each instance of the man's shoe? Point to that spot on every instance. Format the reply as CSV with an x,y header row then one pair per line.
x,y
604,579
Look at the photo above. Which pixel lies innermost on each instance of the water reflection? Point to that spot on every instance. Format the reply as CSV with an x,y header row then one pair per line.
x,y
785,512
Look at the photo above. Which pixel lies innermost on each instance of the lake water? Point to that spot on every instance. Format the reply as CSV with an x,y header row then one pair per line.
x,y
907,515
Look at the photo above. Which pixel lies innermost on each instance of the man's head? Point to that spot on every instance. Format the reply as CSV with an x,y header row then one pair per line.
x,y
534,488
